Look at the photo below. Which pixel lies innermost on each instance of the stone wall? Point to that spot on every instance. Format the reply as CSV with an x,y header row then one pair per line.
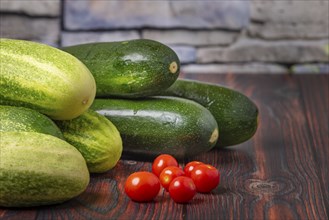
x,y
246,36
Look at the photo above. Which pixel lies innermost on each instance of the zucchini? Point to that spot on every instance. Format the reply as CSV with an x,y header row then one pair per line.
x,y
131,69
39,169
97,139
45,79
24,119
235,113
157,125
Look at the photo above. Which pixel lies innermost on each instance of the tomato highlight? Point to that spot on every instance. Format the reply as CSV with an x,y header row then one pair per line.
x,y
205,178
182,189
168,174
189,167
142,186
182,184
163,161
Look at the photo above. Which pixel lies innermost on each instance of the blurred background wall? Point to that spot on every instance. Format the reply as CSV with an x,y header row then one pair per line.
x,y
219,36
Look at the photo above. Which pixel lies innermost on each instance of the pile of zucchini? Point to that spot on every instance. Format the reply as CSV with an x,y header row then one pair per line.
x,y
77,110
155,112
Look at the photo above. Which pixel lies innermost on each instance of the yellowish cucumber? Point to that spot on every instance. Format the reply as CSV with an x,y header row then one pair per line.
x,y
96,138
39,169
14,118
45,79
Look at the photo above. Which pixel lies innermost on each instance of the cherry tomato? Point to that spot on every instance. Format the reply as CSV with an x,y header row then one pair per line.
x,y
142,186
182,189
190,166
168,174
163,161
205,178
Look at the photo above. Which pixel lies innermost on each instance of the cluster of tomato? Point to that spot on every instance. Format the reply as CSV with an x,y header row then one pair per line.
x,y
182,184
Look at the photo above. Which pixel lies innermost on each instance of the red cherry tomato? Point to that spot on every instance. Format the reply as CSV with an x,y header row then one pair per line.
x,y
168,174
205,178
163,161
142,186
190,166
182,189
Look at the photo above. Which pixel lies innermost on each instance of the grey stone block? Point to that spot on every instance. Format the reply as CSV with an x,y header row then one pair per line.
x,y
254,68
185,54
73,38
88,15
276,31
290,19
248,50
293,11
211,14
32,7
310,68
192,37
44,30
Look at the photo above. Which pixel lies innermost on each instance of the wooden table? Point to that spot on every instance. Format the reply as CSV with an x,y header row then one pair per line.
x,y
281,173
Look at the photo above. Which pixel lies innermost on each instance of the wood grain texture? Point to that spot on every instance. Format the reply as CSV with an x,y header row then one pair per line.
x,y
281,173
315,95
283,182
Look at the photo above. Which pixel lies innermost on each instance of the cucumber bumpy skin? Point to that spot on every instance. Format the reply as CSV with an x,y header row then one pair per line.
x,y
97,139
24,119
129,69
45,79
38,169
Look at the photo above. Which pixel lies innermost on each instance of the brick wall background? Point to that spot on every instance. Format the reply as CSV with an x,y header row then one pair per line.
x,y
218,36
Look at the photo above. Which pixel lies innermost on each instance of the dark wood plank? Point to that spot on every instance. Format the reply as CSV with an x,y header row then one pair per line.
x,y
281,173
274,175
104,199
315,95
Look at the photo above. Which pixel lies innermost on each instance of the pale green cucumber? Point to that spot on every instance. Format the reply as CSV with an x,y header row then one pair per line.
x,y
38,169
44,78
14,118
96,138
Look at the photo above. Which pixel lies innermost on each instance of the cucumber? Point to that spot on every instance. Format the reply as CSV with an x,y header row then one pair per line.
x,y
130,69
97,139
24,119
39,169
45,79
235,113
158,125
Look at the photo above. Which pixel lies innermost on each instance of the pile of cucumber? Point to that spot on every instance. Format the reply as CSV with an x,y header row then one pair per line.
x,y
77,110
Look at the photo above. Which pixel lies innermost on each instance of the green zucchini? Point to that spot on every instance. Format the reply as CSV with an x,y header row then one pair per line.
x,y
131,69
157,125
235,113
97,139
45,79
39,169
14,118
